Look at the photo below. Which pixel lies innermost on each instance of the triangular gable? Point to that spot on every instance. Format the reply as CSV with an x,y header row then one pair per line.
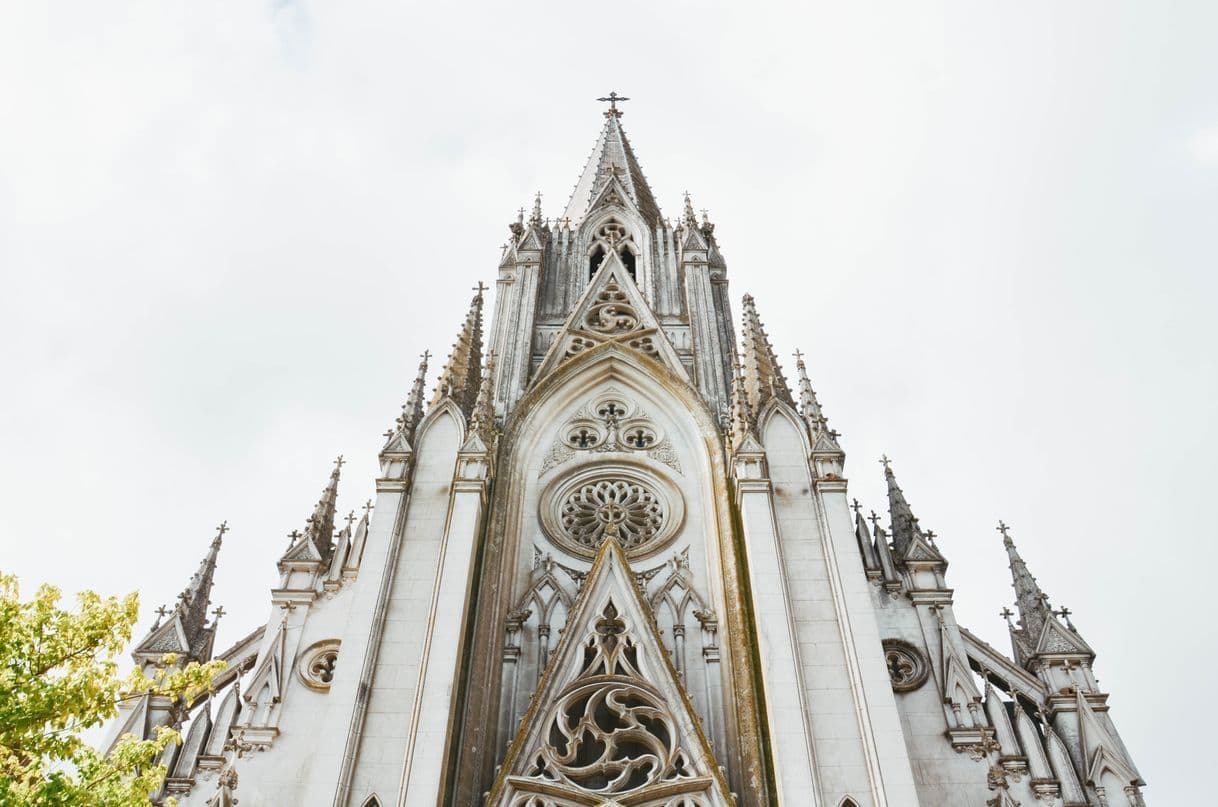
x,y
303,551
170,637
611,310
609,722
612,194
531,240
920,551
1056,638
694,240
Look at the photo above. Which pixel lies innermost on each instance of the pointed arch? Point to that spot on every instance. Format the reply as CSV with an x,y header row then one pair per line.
x,y
776,408
371,801
445,408
847,802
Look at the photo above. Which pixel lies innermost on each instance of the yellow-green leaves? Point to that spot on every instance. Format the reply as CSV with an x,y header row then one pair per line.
x,y
58,677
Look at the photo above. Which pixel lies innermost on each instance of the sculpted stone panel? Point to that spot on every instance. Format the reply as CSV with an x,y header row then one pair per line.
x,y
611,423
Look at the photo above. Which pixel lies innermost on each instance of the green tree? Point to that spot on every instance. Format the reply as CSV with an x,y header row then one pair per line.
x,y
58,677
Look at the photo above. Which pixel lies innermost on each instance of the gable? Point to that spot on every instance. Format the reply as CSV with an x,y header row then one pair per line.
x,y
610,721
611,310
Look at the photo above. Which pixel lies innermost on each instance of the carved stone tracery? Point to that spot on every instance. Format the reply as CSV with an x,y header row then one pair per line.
x,y
611,423
907,667
618,507
611,731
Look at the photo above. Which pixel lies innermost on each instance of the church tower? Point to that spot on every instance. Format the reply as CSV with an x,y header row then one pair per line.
x,y
612,561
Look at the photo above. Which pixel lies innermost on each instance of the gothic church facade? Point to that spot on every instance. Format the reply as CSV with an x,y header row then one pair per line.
x,y
613,561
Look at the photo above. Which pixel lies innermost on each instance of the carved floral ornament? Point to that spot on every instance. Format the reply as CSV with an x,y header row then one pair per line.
x,y
317,664
611,422
907,667
642,510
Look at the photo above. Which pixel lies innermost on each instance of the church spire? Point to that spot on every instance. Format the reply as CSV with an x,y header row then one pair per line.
x,y
462,373
763,377
186,631
1032,602
740,414
904,523
809,407
412,411
611,158
482,421
320,527
194,600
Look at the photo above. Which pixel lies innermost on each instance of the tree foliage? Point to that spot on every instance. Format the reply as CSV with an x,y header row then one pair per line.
x,y
58,677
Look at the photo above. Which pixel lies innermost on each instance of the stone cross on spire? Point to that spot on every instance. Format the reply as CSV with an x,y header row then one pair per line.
x,y
612,98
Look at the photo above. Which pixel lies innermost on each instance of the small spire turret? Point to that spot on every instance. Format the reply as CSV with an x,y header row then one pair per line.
x,y
904,522
535,220
763,376
810,408
740,423
482,421
461,376
412,410
320,525
688,218
402,432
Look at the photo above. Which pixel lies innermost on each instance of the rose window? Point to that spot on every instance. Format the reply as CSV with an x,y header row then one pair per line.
x,y
627,510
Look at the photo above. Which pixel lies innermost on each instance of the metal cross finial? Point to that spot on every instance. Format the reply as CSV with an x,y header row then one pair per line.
x,y
855,506
874,519
161,613
223,528
368,507
350,518
425,355
340,462
613,98
293,536
930,536
1006,613
481,287
1002,528
798,354
218,612
887,463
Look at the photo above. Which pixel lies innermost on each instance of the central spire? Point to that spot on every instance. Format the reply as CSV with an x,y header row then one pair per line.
x,y
612,157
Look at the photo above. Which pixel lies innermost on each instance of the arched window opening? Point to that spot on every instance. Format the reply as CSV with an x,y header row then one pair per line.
x,y
372,801
594,262
628,262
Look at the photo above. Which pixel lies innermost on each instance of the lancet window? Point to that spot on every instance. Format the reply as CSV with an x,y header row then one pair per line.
x,y
612,236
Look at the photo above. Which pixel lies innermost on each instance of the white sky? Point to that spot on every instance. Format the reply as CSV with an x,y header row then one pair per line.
x,y
228,228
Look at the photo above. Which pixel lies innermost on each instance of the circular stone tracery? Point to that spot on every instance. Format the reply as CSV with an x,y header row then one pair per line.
x,y
907,668
625,509
641,509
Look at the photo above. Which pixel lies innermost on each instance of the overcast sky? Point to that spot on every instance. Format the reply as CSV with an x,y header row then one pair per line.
x,y
228,228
